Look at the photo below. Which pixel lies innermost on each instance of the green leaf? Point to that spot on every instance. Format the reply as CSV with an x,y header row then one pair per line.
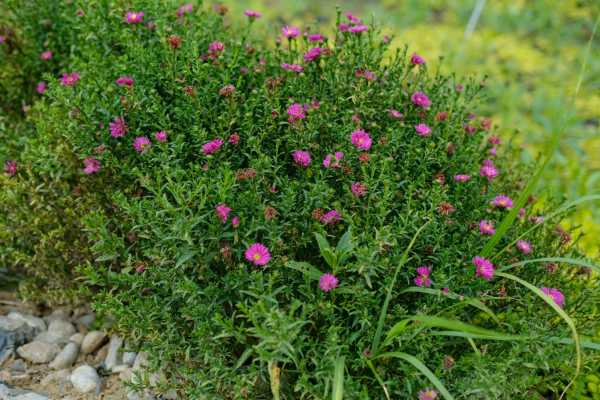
x,y
107,257
418,364
345,244
338,379
573,261
186,256
307,269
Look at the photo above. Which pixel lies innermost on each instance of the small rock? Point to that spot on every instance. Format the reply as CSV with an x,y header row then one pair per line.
x,y
7,393
50,338
18,366
32,321
85,379
61,314
86,320
101,355
38,352
10,324
61,328
113,356
141,361
117,369
126,375
66,357
129,358
77,338
58,377
92,341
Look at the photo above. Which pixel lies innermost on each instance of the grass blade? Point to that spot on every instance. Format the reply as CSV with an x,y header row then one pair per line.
x,y
338,379
560,312
382,315
418,364
566,260
378,378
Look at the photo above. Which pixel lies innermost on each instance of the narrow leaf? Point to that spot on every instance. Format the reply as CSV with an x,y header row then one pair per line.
x,y
338,379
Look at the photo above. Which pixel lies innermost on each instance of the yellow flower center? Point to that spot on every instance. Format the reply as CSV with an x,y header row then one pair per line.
x,y
256,256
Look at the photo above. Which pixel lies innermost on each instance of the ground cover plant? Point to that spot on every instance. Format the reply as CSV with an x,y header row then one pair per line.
x,y
316,220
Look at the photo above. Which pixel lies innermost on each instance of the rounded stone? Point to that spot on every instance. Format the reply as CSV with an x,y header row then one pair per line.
x,y
61,328
92,341
85,379
32,321
66,357
38,352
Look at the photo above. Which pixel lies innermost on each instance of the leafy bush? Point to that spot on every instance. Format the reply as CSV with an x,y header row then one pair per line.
x,y
272,222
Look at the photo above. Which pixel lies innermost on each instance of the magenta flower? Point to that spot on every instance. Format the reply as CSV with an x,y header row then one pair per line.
x,y
428,394
258,254
486,227
494,140
296,112
212,146
117,127
91,165
234,139
46,55
235,221
252,14
41,87
343,27
301,158
422,278
521,213
461,178
502,201
313,53
222,212
2,39
160,136
10,167
69,79
290,32
483,268
352,18
524,246
420,99
292,67
493,152
141,144
395,114
358,28
416,59
316,37
331,217
358,189
556,295
216,47
423,130
488,170
124,81
185,9
328,282
134,17
361,139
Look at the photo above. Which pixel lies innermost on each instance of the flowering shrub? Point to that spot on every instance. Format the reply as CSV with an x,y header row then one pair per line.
x,y
268,217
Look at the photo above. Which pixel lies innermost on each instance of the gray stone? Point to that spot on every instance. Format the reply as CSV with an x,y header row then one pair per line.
x,y
61,328
120,368
32,321
38,352
7,393
86,320
85,379
10,324
129,358
141,361
58,314
66,357
92,341
60,377
18,366
113,356
47,337
77,338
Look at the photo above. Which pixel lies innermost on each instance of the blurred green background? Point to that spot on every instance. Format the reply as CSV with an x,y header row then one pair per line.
x,y
530,51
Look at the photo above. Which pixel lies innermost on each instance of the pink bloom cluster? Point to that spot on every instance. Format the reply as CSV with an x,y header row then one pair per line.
x,y
296,112
134,17
313,54
416,59
118,127
124,81
185,9
420,99
361,140
292,67
395,114
329,158
331,217
358,189
483,268
141,144
91,165
69,79
423,274
486,227
222,212
524,246
290,32
557,295
462,178
252,14
423,130
10,167
315,37
212,146
160,136
428,394
328,282
258,254
46,55
502,201
488,170
301,158
41,87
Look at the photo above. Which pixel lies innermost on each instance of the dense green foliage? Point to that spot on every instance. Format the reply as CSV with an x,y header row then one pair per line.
x,y
144,226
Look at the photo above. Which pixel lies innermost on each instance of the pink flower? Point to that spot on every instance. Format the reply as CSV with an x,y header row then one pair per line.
x,y
361,140
313,53
252,14
10,167
185,9
160,136
352,18
483,268
301,158
395,114
117,127
329,158
416,59
420,99
358,28
521,213
486,227
234,139
327,161
212,146
133,17
423,130
556,295
331,217
216,47
141,144
2,39
91,165
422,278
258,254
494,140
328,282
41,87
343,27
124,81
502,201
292,67
524,246
358,189
46,55
290,32
428,394
69,79
222,212
316,37
493,152
461,178
296,112
235,221
488,170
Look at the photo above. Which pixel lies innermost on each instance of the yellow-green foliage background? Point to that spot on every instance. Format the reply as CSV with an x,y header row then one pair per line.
x,y
531,52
